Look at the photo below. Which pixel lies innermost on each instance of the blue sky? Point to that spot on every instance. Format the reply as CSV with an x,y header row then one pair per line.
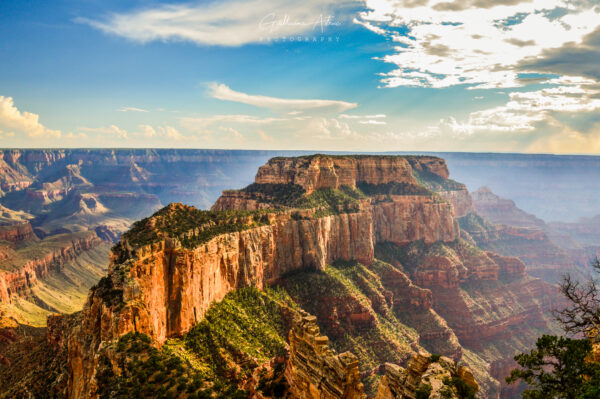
x,y
381,75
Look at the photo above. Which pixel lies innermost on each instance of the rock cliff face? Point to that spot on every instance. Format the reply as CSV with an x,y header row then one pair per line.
x,y
502,211
461,201
423,371
314,372
439,283
16,281
314,172
16,232
408,218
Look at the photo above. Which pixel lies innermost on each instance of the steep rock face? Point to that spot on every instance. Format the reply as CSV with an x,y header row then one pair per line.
x,y
399,383
180,284
167,289
461,201
316,172
313,371
508,266
17,232
410,218
502,211
13,282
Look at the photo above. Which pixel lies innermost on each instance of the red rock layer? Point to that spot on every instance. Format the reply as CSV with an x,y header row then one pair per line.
x,y
409,218
314,372
12,283
17,232
312,173
461,201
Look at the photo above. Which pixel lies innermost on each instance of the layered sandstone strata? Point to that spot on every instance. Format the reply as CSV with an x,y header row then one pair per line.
x,y
461,201
314,172
25,277
16,232
164,288
313,371
423,370
408,218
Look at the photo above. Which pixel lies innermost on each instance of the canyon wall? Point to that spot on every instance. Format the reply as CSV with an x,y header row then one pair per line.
x,y
14,282
314,172
16,232
164,288
313,371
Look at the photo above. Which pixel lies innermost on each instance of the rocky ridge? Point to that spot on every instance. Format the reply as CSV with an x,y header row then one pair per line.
x,y
14,282
543,248
163,278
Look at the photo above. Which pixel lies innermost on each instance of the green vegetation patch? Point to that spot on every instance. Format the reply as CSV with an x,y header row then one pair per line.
x,y
175,220
393,188
411,256
146,372
457,387
473,223
423,391
246,328
294,196
343,199
435,182
352,309
282,194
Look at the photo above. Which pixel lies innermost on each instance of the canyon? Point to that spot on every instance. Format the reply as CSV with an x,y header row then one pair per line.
x,y
388,254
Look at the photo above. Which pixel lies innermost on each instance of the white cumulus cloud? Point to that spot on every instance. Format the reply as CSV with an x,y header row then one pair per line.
x,y
475,42
12,120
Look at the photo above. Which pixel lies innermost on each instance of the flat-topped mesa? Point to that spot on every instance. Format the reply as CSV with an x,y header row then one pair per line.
x,y
326,171
289,181
169,268
410,198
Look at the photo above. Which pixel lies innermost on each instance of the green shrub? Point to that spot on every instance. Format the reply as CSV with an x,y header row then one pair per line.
x,y
463,390
423,391
434,358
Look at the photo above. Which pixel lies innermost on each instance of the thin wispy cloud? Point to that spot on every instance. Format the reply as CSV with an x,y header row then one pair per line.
x,y
132,109
347,116
222,23
223,92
